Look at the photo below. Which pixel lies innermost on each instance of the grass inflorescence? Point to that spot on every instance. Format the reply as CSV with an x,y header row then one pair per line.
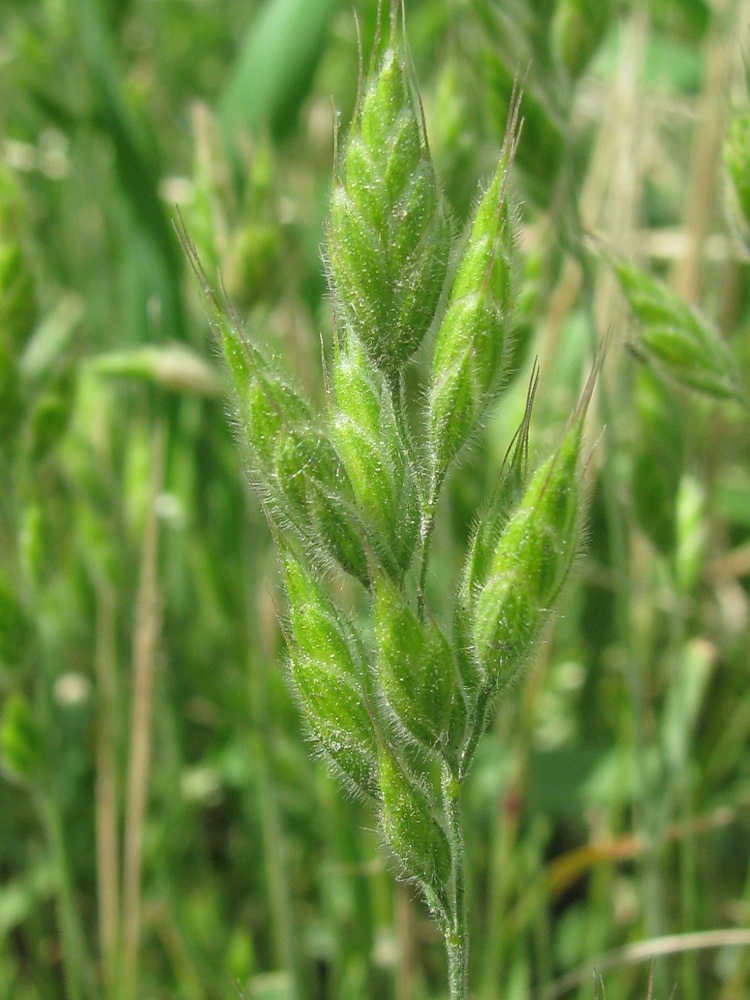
x,y
394,699
481,622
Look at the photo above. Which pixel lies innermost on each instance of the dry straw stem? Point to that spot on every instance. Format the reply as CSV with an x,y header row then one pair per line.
x,y
565,870
731,566
107,848
644,951
703,188
609,193
147,627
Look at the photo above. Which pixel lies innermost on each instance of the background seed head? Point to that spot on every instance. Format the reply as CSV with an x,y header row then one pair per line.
x,y
659,459
577,29
22,754
18,308
676,338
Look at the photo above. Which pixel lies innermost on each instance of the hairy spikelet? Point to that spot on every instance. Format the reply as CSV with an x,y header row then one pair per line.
x,y
315,492
472,343
388,237
530,564
484,540
374,453
268,406
291,460
328,671
417,839
415,667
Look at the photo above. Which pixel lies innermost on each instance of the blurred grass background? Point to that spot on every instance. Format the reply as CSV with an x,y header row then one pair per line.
x,y
163,830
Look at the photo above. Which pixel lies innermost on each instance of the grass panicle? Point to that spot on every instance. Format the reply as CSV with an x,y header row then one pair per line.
x,y
392,710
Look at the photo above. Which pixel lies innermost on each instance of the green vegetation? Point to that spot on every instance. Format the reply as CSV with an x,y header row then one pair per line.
x,y
188,668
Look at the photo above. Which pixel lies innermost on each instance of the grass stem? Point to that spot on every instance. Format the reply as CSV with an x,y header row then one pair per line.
x,y
147,628
70,931
456,934
107,851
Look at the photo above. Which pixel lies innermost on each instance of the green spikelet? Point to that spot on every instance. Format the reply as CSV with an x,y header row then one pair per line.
x,y
290,459
678,340
266,402
415,667
296,465
309,476
508,492
540,155
371,446
531,562
328,670
484,540
407,818
388,237
472,343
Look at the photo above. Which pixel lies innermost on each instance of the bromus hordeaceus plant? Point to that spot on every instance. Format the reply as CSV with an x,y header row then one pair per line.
x,y
397,708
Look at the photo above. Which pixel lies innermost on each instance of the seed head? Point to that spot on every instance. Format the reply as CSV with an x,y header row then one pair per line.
x,y
372,448
472,343
415,667
316,496
417,839
388,237
511,483
531,563
676,338
328,670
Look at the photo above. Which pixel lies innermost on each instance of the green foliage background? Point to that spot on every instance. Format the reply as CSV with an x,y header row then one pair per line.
x,y
163,830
